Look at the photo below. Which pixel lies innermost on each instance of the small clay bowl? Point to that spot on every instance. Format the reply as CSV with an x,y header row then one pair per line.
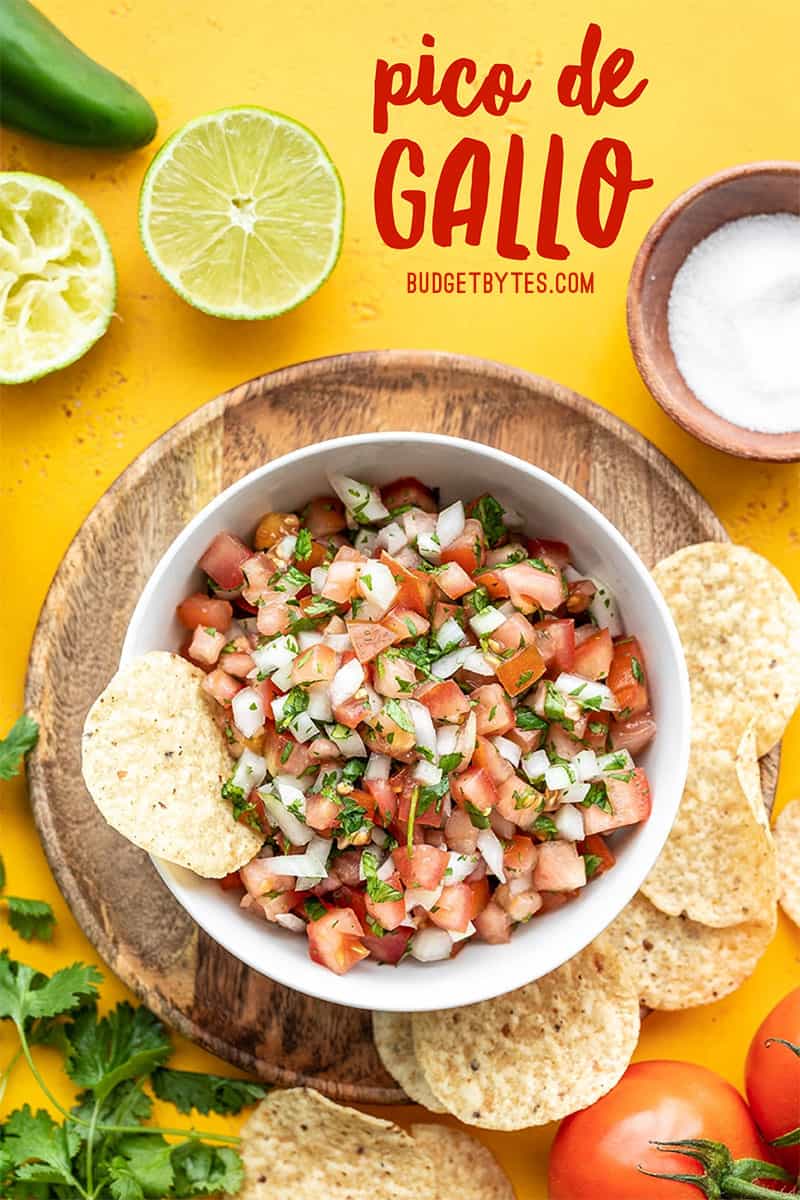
x,y
743,191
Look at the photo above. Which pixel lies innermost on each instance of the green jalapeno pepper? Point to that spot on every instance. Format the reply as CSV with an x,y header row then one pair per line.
x,y
50,88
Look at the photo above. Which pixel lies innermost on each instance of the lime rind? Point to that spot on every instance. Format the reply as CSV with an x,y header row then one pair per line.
x,y
242,213
57,277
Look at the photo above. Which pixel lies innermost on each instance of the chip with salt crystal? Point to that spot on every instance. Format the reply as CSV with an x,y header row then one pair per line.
x,y
739,623
538,1053
394,1042
680,963
787,843
298,1143
154,762
718,865
464,1167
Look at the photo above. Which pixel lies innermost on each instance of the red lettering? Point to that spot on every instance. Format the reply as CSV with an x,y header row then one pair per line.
x,y
497,90
385,94
597,171
547,243
575,83
507,244
384,192
467,155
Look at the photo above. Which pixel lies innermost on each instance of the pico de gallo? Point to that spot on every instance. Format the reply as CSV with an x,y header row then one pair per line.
x,y
434,718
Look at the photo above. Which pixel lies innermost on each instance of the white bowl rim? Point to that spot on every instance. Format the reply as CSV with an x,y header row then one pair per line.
x,y
334,988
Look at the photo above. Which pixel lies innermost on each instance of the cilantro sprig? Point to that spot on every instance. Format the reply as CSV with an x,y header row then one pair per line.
x,y
29,918
19,741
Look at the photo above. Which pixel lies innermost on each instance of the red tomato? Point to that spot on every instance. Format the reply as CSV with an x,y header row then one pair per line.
x,y
368,639
595,734
384,800
334,940
408,490
559,868
519,673
391,947
405,623
626,678
476,787
633,735
531,588
454,581
232,882
388,913
416,588
223,559
202,610
494,712
453,909
445,701
284,756
597,1151
317,664
594,651
596,845
424,867
773,1077
630,803
468,550
493,924
556,552
489,757
351,712
323,516
555,641
515,633
479,891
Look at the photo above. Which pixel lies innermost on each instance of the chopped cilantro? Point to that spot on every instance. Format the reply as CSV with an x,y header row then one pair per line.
x,y
432,794
395,710
296,703
449,762
592,862
528,719
598,796
286,752
545,827
478,818
353,769
374,926
636,670
351,817
377,889
314,908
490,514
480,599
303,547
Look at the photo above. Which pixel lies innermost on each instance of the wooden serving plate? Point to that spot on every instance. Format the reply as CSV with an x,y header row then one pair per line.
x,y
118,899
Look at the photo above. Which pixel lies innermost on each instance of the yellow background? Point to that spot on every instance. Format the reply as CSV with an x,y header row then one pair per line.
x,y
722,90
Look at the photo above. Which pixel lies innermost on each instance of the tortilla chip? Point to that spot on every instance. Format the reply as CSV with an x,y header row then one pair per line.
x,y
465,1168
739,622
787,845
298,1145
679,963
538,1053
394,1042
154,762
718,865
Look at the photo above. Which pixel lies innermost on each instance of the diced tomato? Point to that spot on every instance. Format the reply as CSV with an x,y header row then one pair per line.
x,y
518,802
394,676
528,740
559,868
391,947
317,555
494,712
283,761
519,856
340,585
469,549
555,641
479,889
445,701
493,924
514,633
322,749
633,735
206,645
593,652
431,818
222,561
454,580
595,735
555,552
273,906
237,664
258,571
405,623
489,757
519,673
388,913
520,905
530,588
627,679
317,664
460,834
369,639
384,736
562,743
476,787
323,516
598,847
202,610
352,712
495,583
274,615
267,691
442,612
222,686
334,940
321,813
259,878
453,908
232,882
630,803
384,799
580,593
408,490
422,867
416,588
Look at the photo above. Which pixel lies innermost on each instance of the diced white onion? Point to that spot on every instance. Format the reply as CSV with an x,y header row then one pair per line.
x,y
291,921
251,771
587,693
557,778
387,869
426,773
506,608
290,825
346,682
289,793
535,764
511,518
577,793
379,836
446,738
450,523
467,737
424,732
298,865
422,897
350,743
306,882
569,823
430,944
608,764
392,538
309,638
338,642
449,633
319,702
429,548
377,584
479,664
248,711
509,750
280,652
301,782
378,767
603,609
285,548
303,727
417,521
492,851
359,498
459,866
487,621
585,765
365,540
319,577
455,936
282,678
448,664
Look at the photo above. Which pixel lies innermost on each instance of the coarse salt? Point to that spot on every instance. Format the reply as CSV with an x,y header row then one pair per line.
x,y
734,322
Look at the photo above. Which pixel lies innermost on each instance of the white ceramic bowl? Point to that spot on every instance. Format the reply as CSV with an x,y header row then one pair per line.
x,y
461,469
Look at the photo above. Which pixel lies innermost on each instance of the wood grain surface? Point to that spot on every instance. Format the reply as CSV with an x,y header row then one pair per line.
x,y
111,886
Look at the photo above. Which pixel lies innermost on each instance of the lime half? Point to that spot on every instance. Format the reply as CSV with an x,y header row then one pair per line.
x,y
242,213
57,279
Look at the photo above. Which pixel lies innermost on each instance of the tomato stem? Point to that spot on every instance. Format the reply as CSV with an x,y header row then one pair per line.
x,y
722,1176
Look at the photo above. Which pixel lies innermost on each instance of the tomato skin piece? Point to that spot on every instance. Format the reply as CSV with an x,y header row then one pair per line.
x,y
627,678
596,1153
408,490
200,609
772,1075
531,588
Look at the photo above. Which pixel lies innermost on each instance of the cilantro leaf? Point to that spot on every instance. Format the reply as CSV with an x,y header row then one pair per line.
x,y
528,719
189,1090
31,918
449,762
123,1045
432,793
26,993
127,1104
203,1170
377,889
39,1148
145,1160
490,514
545,827
296,702
597,794
592,862
397,713
314,908
302,548
19,741
479,819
